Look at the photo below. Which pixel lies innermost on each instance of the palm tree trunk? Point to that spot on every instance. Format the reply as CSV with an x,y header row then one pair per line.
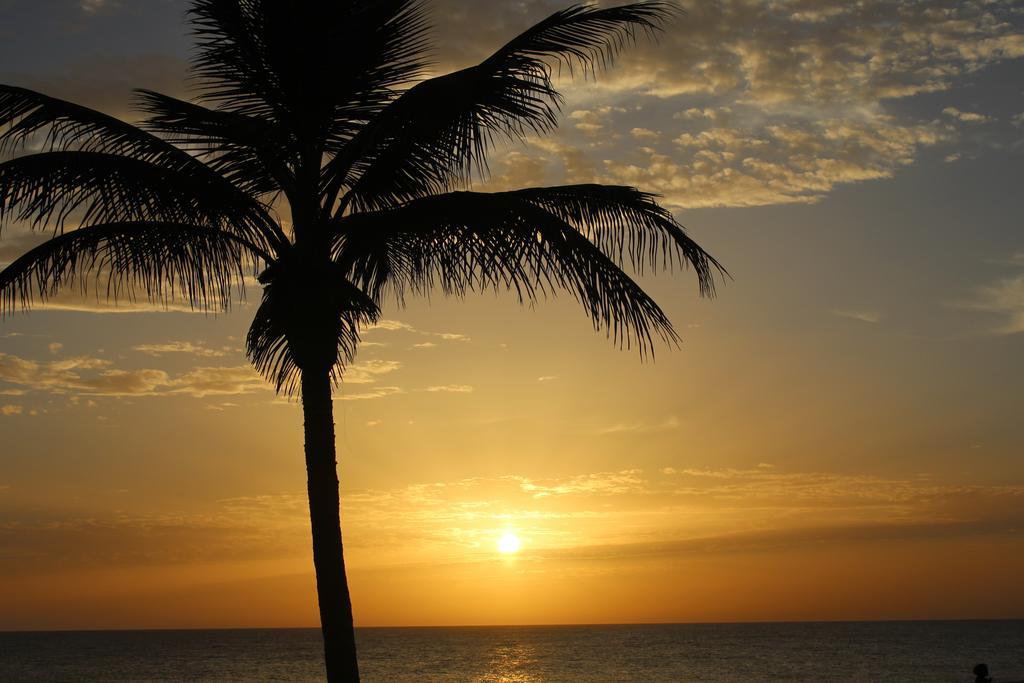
x,y
324,512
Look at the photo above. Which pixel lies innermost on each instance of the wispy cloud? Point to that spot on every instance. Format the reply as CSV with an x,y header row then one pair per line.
x,y
1004,298
965,116
398,326
861,315
610,516
794,99
667,424
184,347
378,392
604,483
368,371
628,515
98,377
450,389
389,326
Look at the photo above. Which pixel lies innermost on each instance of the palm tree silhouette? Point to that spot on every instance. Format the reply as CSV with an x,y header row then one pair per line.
x,y
317,110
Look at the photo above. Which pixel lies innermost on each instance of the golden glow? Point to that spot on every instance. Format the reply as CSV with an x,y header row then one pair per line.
x,y
509,543
797,457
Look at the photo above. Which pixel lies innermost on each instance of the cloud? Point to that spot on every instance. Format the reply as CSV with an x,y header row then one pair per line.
x,y
601,483
1004,298
773,540
605,516
379,392
594,121
98,377
83,304
698,113
397,326
389,325
179,347
965,116
221,407
367,371
587,121
627,516
863,316
252,527
451,389
773,163
778,102
667,424
781,53
11,409
218,381
547,378
644,134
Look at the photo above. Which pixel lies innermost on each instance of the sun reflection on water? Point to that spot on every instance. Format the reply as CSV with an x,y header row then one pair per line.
x,y
511,663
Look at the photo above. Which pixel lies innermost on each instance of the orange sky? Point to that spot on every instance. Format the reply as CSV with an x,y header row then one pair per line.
x,y
838,437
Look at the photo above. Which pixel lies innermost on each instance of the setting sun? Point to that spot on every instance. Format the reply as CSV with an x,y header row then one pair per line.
x,y
509,543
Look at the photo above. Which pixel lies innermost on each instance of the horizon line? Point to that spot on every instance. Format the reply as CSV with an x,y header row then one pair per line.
x,y
549,625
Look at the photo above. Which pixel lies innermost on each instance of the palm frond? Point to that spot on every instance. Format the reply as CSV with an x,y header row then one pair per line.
x,y
384,46
431,138
47,189
627,225
465,241
306,320
28,116
232,65
162,262
250,152
315,68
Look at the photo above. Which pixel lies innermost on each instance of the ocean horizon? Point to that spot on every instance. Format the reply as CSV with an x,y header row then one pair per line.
x,y
749,651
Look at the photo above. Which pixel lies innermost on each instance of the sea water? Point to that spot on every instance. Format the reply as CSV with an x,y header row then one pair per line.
x,y
833,651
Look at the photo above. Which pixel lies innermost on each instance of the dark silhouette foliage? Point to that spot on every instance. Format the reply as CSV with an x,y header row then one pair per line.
x,y
318,109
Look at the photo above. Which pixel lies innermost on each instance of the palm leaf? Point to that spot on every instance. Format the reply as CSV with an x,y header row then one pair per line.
x,y
26,115
315,68
297,307
250,152
526,241
161,261
431,138
47,189
627,225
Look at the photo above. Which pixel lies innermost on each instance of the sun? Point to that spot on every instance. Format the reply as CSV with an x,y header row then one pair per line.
x,y
509,543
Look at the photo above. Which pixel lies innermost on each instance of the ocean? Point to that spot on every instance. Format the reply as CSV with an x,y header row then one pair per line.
x,y
833,651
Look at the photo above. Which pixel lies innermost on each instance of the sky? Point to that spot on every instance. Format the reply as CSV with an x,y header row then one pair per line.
x,y
838,436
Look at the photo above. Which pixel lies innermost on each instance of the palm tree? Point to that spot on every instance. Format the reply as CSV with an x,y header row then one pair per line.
x,y
317,111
